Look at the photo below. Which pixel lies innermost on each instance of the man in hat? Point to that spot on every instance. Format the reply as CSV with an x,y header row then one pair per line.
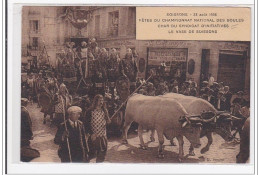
x,y
93,44
211,97
215,89
220,103
71,138
211,80
237,104
83,62
245,111
193,89
228,96
27,153
204,86
61,61
26,124
150,89
187,88
128,69
239,99
30,82
112,69
100,76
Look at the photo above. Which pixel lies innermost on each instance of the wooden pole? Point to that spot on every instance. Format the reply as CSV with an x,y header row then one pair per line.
x,y
66,129
130,96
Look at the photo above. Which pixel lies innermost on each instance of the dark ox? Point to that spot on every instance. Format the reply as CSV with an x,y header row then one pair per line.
x,y
212,120
219,123
158,113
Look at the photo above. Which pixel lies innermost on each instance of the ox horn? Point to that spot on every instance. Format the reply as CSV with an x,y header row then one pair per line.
x,y
220,112
184,124
228,119
234,117
195,119
210,120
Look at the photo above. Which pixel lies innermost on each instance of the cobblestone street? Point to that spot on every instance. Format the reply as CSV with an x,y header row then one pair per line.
x,y
220,151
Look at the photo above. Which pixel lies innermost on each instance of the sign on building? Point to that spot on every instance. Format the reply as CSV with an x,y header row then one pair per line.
x,y
158,55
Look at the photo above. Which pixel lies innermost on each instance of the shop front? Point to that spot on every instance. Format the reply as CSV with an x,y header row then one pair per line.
x,y
227,61
171,63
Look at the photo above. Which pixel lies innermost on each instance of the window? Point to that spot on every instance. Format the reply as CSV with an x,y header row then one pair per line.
x,y
34,43
131,29
113,23
34,26
97,25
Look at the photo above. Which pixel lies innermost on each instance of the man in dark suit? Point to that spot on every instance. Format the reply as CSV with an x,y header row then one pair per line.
x,y
228,96
71,138
128,69
26,152
211,98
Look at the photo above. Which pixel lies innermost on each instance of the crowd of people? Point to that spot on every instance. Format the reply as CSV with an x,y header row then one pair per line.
x,y
82,114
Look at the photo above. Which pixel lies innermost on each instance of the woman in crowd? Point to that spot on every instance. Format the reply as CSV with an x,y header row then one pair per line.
x,y
62,102
96,120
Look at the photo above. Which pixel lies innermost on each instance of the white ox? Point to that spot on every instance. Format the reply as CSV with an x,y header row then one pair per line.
x,y
193,105
167,116
197,106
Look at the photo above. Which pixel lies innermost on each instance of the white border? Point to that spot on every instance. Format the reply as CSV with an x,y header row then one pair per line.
x,y
14,60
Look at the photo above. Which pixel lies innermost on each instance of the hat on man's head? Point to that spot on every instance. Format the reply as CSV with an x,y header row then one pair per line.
x,y
149,84
74,109
211,91
113,50
128,50
240,93
215,83
221,92
24,101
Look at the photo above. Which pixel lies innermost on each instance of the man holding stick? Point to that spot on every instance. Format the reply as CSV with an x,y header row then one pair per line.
x,y
71,138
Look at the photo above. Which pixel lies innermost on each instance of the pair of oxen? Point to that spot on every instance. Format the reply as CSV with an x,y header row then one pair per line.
x,y
175,115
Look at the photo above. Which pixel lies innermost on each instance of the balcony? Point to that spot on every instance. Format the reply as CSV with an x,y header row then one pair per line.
x,y
34,32
33,47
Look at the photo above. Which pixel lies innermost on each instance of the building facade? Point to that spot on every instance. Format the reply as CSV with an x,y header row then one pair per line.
x,y
115,27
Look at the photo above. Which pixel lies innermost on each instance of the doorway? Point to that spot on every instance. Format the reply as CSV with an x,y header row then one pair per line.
x,y
231,70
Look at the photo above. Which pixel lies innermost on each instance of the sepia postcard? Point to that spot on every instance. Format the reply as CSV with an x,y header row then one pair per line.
x,y
135,84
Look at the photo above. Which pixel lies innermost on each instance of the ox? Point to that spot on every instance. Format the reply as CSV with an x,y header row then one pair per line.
x,y
213,120
167,116
243,154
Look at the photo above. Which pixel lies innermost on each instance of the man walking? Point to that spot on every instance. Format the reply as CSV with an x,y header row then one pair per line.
x,y
71,138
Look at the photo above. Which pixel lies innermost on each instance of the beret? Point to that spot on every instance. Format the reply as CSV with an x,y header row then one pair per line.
x,y
74,109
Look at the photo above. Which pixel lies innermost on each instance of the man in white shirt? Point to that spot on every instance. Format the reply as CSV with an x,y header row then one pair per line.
x,y
211,80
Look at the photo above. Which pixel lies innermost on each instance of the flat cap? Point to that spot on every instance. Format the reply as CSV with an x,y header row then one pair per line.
x,y
240,93
74,109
